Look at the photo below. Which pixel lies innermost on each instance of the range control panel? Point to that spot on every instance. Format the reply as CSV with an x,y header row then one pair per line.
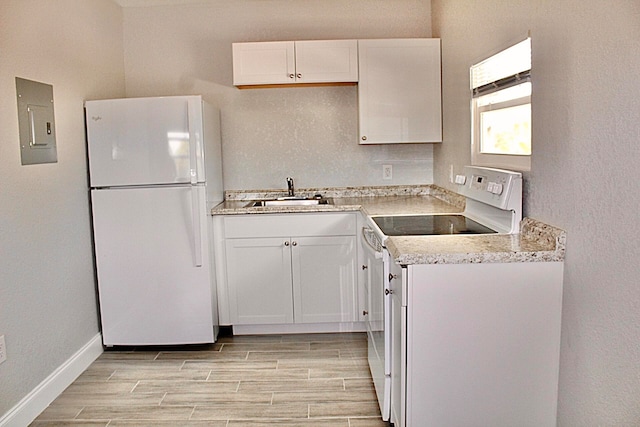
x,y
495,187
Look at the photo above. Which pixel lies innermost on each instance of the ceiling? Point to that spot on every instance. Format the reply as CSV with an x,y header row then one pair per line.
x,y
139,3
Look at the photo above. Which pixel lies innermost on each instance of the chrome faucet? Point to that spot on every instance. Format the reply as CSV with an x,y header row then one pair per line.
x,y
290,186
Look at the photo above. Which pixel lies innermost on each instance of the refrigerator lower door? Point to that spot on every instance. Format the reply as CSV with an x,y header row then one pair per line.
x,y
151,289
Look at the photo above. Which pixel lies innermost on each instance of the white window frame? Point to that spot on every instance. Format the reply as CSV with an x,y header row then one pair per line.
x,y
520,162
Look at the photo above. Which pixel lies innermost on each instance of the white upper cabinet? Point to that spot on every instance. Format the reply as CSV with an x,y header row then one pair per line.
x,y
319,61
399,91
312,61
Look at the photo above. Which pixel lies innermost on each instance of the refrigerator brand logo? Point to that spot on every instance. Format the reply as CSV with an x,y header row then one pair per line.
x,y
96,118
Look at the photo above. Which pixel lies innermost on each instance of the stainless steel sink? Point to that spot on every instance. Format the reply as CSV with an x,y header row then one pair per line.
x,y
284,201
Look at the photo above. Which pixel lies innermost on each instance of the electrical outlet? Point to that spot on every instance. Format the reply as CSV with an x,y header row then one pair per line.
x,y
387,172
3,349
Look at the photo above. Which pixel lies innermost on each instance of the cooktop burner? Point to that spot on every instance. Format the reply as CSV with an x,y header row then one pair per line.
x,y
426,225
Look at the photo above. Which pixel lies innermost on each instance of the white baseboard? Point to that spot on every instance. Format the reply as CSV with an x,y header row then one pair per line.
x,y
40,397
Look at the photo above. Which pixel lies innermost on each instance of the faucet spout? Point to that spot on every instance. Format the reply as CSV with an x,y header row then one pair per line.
x,y
290,188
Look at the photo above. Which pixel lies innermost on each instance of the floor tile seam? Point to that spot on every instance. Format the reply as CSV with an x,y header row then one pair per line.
x,y
174,380
192,412
290,380
162,399
313,352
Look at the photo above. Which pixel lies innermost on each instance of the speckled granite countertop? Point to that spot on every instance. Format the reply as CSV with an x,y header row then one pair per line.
x,y
391,200
536,241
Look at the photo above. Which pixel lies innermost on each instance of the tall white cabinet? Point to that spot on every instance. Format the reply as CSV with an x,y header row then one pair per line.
x,y
399,91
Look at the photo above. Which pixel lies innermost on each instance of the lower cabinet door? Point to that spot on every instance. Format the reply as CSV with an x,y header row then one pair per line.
x,y
259,281
324,279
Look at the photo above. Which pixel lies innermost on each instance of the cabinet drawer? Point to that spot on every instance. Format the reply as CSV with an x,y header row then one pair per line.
x,y
299,224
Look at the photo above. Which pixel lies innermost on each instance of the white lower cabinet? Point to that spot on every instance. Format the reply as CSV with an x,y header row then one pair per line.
x,y
476,344
305,276
324,279
259,281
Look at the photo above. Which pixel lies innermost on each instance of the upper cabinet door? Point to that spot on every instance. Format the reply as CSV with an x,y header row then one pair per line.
x,y
319,61
263,63
313,61
399,91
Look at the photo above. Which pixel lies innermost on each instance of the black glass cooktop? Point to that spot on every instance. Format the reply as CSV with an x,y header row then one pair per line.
x,y
427,225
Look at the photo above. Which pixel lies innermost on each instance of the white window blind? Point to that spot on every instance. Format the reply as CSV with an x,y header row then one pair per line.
x,y
509,67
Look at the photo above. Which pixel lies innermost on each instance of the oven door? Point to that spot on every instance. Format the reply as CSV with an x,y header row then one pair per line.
x,y
378,318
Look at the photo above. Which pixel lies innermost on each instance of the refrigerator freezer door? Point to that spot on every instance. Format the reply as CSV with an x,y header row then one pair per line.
x,y
147,247
145,141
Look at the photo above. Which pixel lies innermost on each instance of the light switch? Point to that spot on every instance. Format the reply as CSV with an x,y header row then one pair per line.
x,y
36,120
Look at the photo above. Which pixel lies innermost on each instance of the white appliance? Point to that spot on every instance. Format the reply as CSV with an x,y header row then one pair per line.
x,y
155,170
493,205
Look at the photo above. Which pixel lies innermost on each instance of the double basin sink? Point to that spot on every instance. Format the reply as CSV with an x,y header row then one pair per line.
x,y
290,201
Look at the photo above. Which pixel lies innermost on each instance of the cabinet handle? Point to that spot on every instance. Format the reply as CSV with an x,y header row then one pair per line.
x,y
294,243
286,243
299,75
365,312
388,291
364,137
364,267
291,76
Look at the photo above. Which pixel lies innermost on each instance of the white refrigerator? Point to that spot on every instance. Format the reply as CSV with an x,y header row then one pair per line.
x,y
155,170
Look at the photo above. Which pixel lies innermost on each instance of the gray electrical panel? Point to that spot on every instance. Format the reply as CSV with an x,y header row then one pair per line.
x,y
36,122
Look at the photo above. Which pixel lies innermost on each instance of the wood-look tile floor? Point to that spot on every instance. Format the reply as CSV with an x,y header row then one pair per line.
x,y
313,380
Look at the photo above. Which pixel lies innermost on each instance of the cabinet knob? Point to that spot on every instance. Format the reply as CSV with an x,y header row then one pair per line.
x,y
388,291
364,137
286,243
291,76
392,276
364,267
365,312
294,243
299,75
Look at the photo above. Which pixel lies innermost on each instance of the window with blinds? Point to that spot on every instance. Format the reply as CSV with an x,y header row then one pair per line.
x,y
501,108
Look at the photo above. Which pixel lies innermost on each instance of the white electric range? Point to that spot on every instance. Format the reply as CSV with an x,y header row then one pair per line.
x,y
493,205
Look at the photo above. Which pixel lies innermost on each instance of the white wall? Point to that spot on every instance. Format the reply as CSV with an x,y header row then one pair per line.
x,y
47,292
269,134
585,112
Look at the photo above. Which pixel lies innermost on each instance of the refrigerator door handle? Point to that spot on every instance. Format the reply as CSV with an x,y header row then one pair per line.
x,y
197,229
194,140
